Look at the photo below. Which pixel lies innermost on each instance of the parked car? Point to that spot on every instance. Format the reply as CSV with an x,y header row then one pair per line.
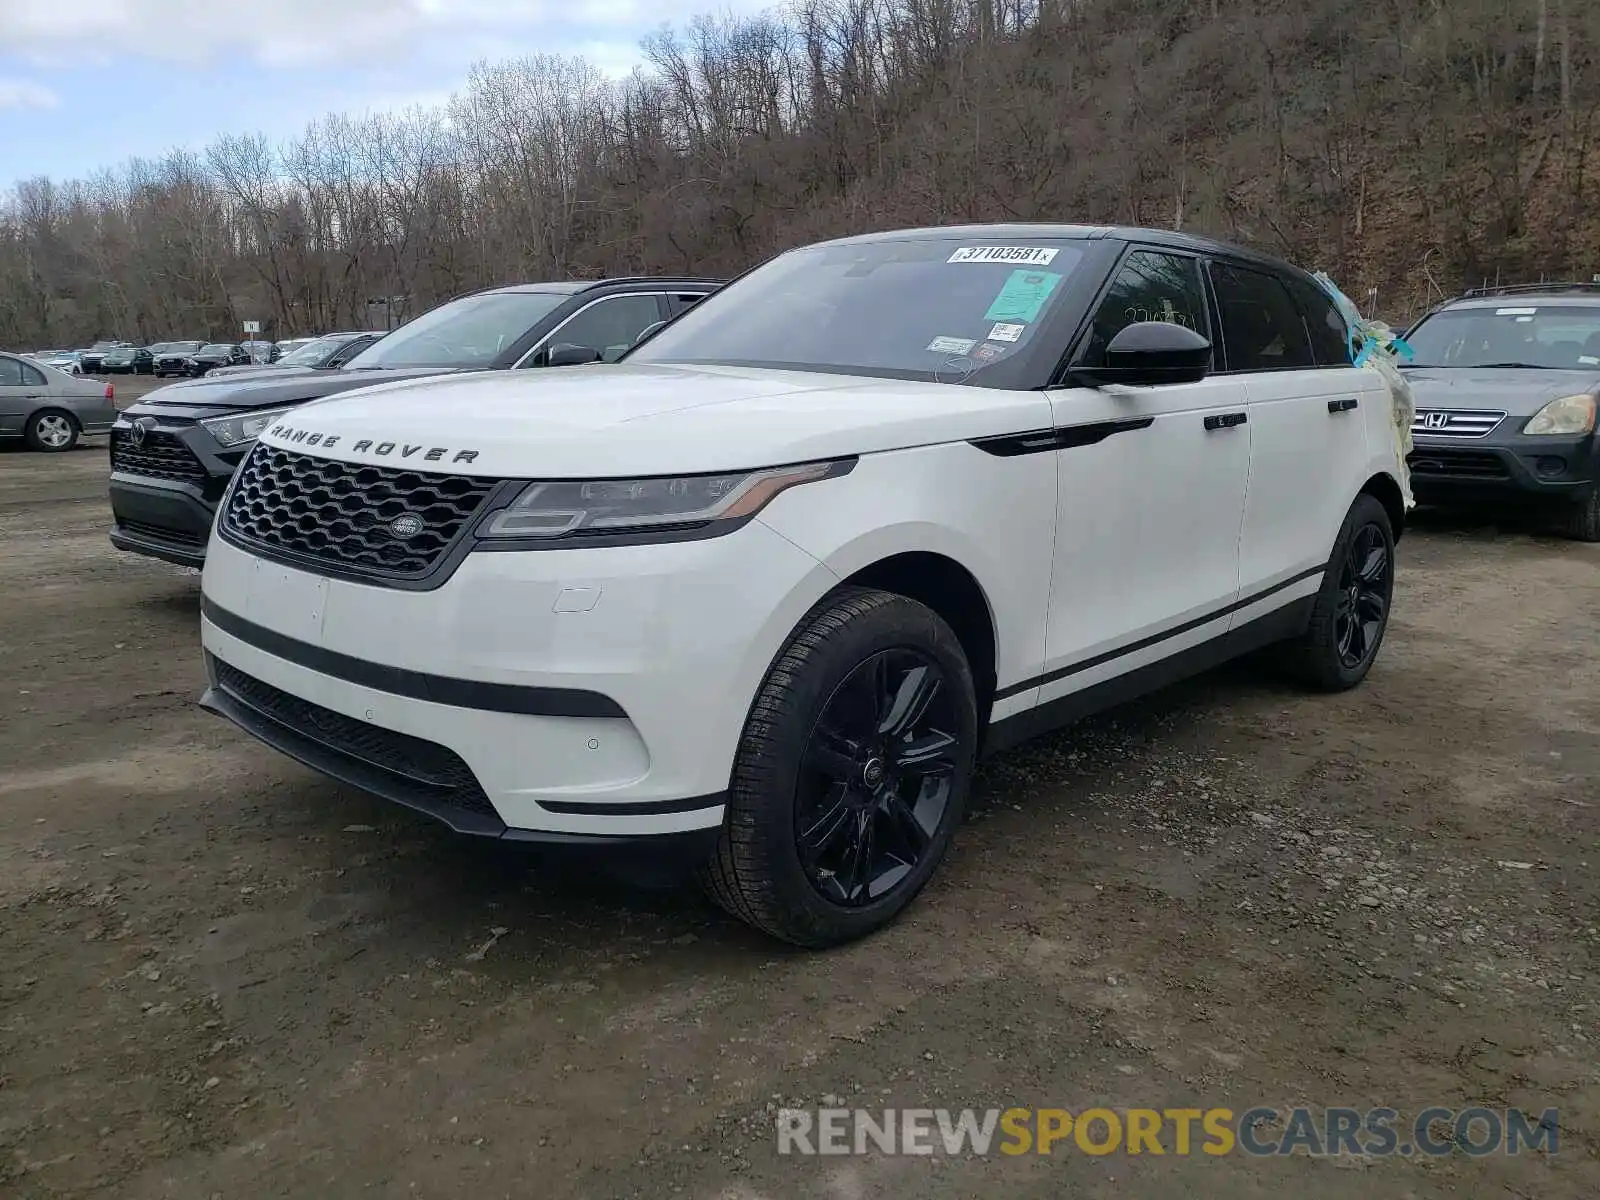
x,y
49,409
63,360
93,358
314,354
128,360
1506,381
290,345
172,358
260,352
195,433
213,355
878,506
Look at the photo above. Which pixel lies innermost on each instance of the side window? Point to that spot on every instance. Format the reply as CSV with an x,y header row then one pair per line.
x,y
1261,327
683,301
1148,286
609,326
1330,341
10,372
31,375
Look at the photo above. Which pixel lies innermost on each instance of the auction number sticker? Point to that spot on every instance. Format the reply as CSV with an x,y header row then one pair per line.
x,y
1030,256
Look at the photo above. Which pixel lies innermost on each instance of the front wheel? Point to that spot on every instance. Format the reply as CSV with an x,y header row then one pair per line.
x,y
1582,521
1351,613
850,778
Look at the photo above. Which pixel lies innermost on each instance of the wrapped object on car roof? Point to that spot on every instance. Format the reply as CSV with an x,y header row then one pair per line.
x,y
1376,346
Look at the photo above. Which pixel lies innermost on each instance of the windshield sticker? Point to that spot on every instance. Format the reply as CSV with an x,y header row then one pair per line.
x,y
1035,256
952,345
1006,333
1023,295
988,352
1515,312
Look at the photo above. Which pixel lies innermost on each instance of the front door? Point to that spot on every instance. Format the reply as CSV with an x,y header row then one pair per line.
x,y
1152,487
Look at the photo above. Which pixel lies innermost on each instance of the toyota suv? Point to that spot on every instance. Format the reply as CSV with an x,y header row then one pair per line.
x,y
758,595
174,452
1506,381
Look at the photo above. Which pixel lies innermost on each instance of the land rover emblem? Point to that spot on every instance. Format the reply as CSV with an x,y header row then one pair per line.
x,y
406,525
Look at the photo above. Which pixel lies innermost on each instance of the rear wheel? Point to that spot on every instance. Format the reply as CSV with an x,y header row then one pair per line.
x,y
1582,519
1351,613
852,773
51,431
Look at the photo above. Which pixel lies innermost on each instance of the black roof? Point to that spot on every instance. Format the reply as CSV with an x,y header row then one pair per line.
x,y
571,287
1121,233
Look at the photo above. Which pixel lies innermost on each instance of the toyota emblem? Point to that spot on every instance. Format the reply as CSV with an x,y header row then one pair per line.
x,y
406,525
141,427
1435,420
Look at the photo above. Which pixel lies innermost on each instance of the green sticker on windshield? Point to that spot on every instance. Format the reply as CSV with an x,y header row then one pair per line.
x,y
1023,296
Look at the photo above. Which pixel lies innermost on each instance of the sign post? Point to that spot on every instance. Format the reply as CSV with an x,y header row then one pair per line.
x,y
252,328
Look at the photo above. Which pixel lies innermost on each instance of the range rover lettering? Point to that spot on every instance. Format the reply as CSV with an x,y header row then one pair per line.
x,y
757,596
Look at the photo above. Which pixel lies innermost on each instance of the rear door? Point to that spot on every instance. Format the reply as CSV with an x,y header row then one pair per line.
x,y
18,396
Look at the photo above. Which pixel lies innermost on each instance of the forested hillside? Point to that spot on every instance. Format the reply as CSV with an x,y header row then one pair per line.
x,y
1402,145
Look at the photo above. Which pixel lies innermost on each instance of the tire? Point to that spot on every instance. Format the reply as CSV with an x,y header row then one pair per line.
x,y
1582,520
1320,658
51,431
786,788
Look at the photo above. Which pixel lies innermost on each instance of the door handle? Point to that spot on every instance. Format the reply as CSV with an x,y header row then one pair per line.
x,y
1345,405
1225,420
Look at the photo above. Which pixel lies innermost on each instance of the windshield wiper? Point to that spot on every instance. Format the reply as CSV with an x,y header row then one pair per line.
x,y
1529,366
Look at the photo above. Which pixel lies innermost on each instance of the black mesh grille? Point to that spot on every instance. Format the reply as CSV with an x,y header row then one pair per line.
x,y
160,456
426,765
1437,460
160,533
339,514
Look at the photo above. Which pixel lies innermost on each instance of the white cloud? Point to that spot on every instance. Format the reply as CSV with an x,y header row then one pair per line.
x,y
296,33
24,93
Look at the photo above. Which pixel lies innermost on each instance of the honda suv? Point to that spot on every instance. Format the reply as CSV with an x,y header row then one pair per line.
x,y
761,592
1506,381
174,452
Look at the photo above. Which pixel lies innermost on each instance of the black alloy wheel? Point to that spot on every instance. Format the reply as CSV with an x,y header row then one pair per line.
x,y
878,776
1365,583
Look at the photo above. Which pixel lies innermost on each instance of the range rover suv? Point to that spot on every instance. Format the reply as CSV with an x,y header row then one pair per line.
x,y
1506,381
173,452
761,592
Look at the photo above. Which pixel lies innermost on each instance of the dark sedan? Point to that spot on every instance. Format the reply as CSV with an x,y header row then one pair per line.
x,y
214,355
129,360
92,359
173,453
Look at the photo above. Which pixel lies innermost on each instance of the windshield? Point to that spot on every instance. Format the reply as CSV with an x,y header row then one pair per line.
x,y
1554,337
925,308
311,353
217,348
470,332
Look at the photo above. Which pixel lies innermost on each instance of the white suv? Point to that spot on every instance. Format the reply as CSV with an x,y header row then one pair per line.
x,y
765,590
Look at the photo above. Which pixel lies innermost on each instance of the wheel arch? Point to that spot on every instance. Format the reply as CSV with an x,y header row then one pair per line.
x,y
951,590
1386,491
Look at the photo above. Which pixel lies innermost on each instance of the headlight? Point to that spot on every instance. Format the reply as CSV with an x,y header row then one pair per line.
x,y
1568,415
576,508
236,431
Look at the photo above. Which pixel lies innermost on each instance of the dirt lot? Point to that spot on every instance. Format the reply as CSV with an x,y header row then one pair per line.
x,y
221,975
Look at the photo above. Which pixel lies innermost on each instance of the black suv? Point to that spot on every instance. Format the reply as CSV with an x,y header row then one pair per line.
x,y
1506,381
173,453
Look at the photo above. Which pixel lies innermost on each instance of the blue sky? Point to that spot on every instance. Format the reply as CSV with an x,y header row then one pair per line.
x,y
86,84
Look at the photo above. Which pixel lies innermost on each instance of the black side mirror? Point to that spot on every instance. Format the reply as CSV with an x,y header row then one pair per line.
x,y
566,354
1148,353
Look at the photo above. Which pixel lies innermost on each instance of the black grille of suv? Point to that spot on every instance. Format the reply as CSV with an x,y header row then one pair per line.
x,y
340,514
435,770
160,456
1438,460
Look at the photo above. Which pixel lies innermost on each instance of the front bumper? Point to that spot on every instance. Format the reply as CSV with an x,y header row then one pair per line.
x,y
164,502
578,695
1502,466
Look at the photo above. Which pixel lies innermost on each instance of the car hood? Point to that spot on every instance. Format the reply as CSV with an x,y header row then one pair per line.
x,y
1515,391
599,421
266,388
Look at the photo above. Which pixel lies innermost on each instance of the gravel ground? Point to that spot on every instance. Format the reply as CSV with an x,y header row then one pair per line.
x,y
221,975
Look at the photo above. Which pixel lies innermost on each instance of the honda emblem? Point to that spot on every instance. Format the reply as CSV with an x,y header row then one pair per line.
x,y
1435,420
